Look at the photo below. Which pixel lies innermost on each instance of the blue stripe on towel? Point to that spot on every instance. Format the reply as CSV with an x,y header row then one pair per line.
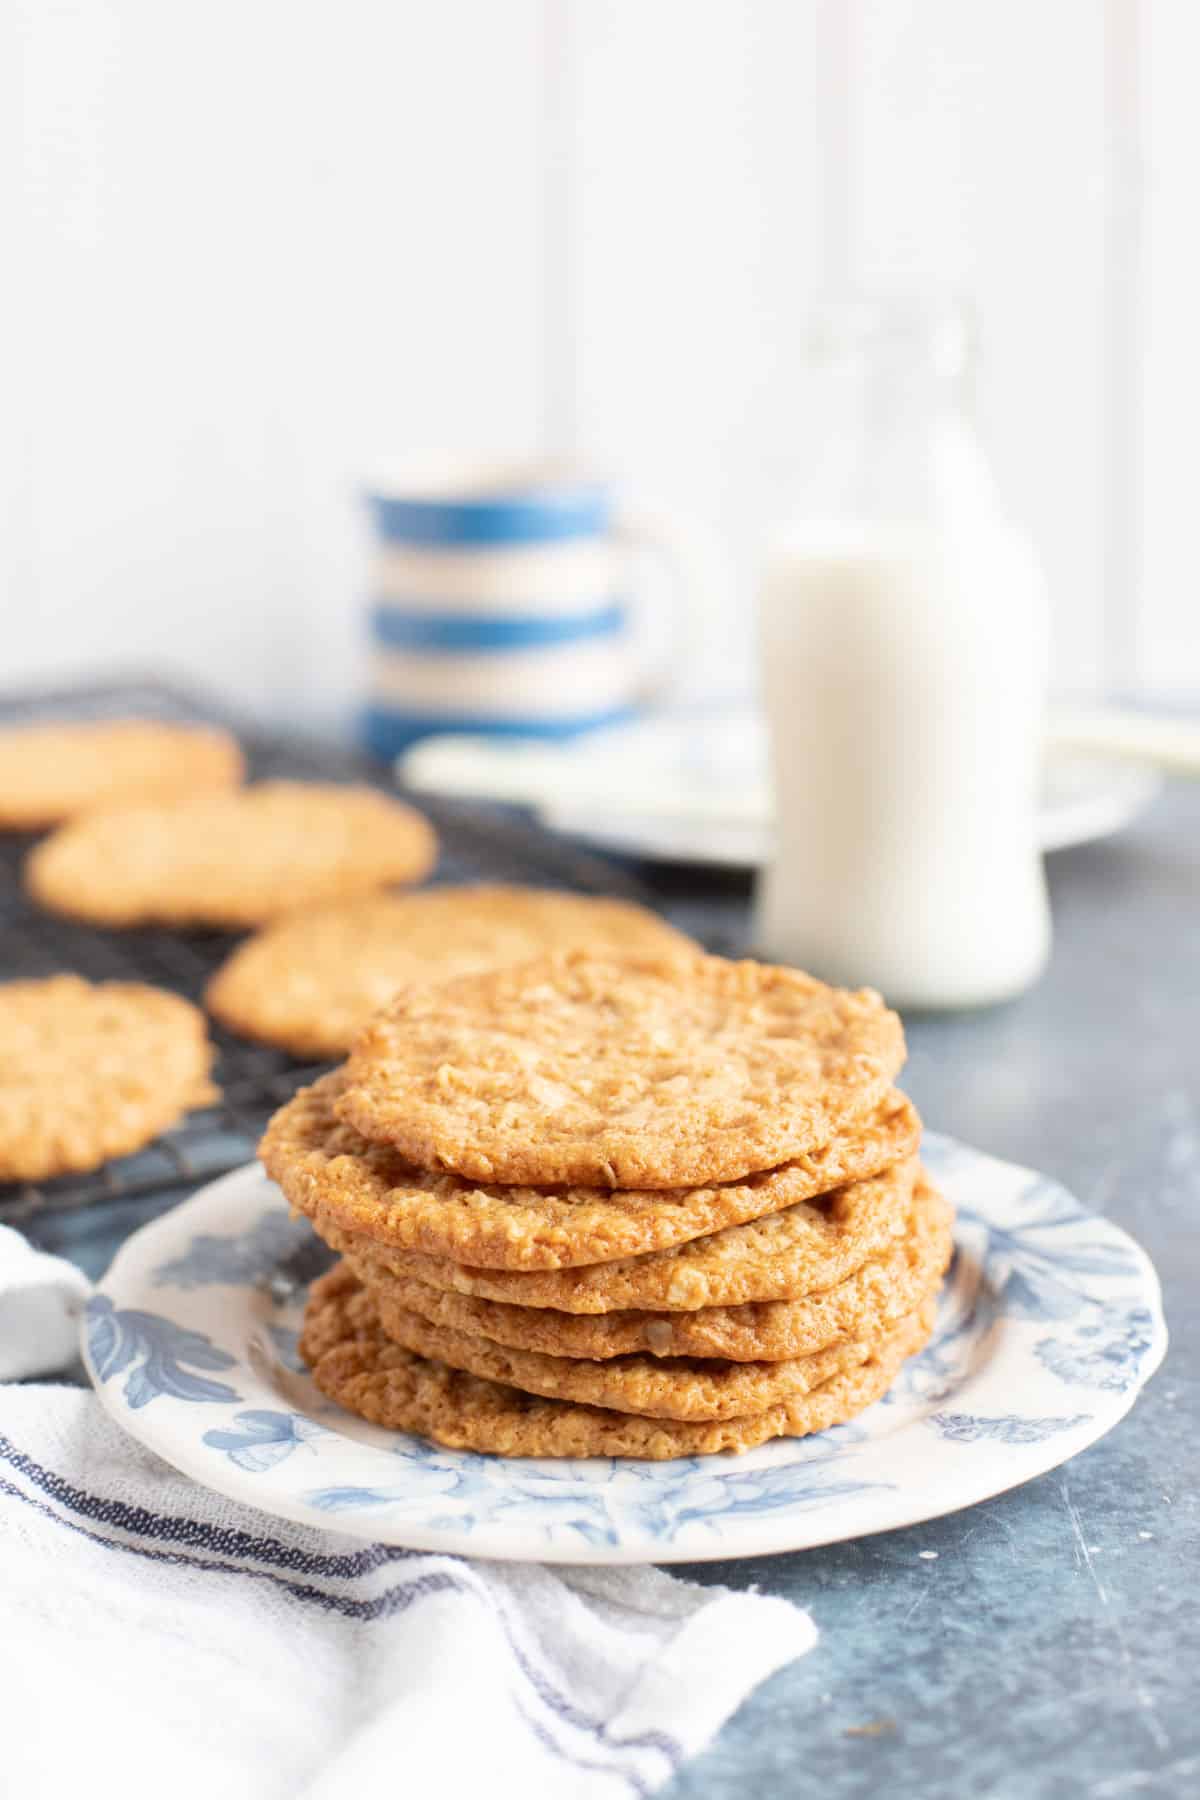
x,y
403,628
389,732
549,515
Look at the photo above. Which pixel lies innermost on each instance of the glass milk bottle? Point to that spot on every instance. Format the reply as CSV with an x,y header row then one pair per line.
x,y
904,638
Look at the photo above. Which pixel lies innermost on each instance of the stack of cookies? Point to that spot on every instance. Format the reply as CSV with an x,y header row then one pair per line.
x,y
644,1206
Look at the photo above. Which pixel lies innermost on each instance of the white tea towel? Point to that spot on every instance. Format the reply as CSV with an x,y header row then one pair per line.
x,y
41,1299
161,1639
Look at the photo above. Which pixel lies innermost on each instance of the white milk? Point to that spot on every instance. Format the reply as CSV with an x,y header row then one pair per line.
x,y
904,666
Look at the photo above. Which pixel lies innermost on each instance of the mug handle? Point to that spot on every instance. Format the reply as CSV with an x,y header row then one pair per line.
x,y
681,551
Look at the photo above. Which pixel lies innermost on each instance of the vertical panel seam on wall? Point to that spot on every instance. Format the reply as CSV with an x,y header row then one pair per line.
x,y
17,448
558,372
837,89
1123,373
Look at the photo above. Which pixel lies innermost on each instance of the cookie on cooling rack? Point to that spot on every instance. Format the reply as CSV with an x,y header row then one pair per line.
x,y
52,772
231,861
309,983
93,1070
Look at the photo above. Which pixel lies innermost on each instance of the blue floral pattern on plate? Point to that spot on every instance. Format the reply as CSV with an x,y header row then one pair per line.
x,y
155,1352
270,1245
1011,1428
261,1438
1049,1323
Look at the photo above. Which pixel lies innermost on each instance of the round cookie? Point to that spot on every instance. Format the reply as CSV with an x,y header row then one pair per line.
x,y
671,1388
310,983
51,772
89,1072
784,1256
356,1365
231,861
328,1171
866,1305
645,1073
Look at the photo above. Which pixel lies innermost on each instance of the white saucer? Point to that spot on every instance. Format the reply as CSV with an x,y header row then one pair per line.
x,y
1084,798
694,786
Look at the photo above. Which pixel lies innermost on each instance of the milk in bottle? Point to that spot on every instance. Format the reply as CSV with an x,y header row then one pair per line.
x,y
903,633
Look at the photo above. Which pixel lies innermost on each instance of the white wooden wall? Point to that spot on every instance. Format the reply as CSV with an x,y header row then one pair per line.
x,y
256,246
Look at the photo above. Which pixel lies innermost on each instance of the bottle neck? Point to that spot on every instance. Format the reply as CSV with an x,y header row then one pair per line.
x,y
892,408
901,446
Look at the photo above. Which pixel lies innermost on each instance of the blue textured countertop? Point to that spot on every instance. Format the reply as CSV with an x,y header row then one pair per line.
x,y
1050,1647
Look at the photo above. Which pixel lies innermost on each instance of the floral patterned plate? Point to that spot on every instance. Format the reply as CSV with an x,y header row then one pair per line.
x,y
1050,1323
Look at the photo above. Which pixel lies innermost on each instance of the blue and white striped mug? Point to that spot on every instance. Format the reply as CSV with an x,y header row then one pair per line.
x,y
500,603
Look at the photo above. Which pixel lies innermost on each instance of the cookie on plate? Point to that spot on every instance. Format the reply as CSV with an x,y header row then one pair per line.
x,y
52,772
310,983
651,1072
867,1304
782,1256
674,1387
92,1071
345,1183
354,1363
233,860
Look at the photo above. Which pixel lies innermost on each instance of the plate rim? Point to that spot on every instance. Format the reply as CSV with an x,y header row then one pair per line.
x,y
789,1531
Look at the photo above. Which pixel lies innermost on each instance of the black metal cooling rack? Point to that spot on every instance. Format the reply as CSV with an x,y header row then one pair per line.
x,y
476,844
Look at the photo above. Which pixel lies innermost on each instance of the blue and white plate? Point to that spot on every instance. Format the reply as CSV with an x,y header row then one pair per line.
x,y
1050,1323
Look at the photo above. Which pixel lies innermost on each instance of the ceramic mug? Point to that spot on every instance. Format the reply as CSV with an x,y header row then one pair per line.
x,y
500,603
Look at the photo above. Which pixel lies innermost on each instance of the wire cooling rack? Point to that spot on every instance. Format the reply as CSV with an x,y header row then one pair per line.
x,y
476,844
